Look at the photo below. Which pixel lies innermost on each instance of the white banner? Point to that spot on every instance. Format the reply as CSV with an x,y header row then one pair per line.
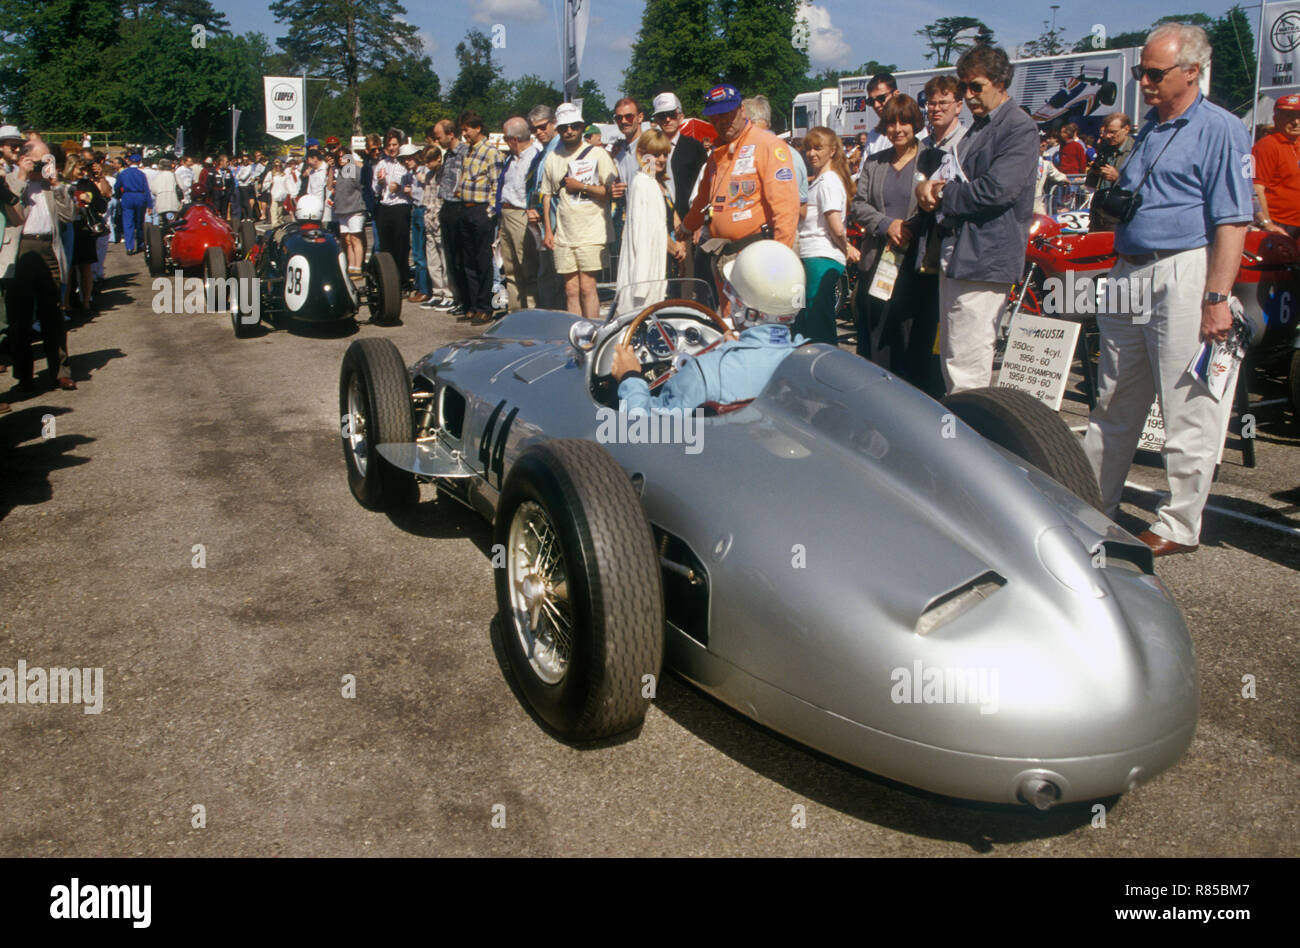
x,y
1279,51
285,106
581,14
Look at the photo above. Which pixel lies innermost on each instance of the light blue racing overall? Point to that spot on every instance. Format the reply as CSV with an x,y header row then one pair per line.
x,y
735,371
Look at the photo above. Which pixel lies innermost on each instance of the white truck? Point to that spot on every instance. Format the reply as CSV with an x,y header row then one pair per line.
x,y
815,108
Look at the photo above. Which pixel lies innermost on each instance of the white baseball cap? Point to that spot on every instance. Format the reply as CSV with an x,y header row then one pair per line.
x,y
665,102
567,114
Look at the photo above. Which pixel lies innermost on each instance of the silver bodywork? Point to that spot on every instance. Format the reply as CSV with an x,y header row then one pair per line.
x,y
855,541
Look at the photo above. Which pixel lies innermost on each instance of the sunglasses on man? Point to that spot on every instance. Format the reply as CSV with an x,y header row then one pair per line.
x,y
538,129
568,126
1155,75
880,99
625,117
660,117
975,87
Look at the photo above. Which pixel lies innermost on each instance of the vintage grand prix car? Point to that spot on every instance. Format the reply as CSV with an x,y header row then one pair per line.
x,y
303,276
196,237
896,582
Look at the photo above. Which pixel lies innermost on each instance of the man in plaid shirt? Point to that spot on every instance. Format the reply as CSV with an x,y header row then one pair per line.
x,y
476,191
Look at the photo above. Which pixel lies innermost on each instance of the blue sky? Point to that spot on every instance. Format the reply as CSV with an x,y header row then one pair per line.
x,y
846,32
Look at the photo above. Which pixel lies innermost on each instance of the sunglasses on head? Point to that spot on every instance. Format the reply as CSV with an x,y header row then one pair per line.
x,y
975,87
1155,75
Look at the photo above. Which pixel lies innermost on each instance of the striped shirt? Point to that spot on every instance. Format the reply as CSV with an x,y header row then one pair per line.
x,y
480,173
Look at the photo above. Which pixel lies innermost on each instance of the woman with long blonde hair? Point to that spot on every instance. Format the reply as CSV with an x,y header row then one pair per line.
x,y
651,219
823,243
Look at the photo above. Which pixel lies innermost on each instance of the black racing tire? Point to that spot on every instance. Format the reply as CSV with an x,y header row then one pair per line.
x,y
383,289
1030,430
614,590
153,249
245,274
377,412
247,235
214,263
1293,384
1106,94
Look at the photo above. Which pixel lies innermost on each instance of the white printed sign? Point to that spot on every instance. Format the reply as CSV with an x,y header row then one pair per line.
x,y
1279,50
285,106
1038,357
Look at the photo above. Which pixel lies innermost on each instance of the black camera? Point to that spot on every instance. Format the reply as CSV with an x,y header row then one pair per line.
x,y
1120,204
1105,156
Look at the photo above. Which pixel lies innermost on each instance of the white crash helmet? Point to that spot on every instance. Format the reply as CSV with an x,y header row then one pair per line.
x,y
764,284
309,208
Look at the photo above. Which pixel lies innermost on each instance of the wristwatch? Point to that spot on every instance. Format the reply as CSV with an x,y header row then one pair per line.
x,y
1216,297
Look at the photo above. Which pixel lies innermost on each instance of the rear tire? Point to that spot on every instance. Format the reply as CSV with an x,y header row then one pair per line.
x,y
1030,430
383,290
1106,94
375,409
153,249
1293,384
580,597
247,239
245,275
214,263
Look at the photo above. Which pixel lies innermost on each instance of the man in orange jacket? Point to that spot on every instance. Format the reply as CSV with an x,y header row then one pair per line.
x,y
748,182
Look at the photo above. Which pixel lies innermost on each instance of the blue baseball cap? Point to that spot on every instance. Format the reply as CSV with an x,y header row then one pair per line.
x,y
721,99
135,159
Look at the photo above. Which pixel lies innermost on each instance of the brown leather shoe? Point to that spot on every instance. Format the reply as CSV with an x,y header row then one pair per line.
x,y
4,407
417,298
1162,547
66,384
481,319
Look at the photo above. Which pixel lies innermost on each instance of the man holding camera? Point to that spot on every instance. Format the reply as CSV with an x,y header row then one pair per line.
x,y
1183,201
1113,149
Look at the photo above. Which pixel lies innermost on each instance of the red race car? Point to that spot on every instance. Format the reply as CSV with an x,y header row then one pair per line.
x,y
195,238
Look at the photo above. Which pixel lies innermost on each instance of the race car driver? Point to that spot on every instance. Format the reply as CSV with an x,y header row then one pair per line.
x,y
765,286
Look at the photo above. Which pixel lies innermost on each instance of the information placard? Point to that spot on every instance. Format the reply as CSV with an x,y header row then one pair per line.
x,y
1039,352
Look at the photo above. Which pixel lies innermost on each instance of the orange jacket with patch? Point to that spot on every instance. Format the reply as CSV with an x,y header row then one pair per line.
x,y
750,182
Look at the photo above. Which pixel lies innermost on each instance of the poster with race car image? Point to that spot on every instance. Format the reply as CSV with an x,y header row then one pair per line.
x,y
1081,88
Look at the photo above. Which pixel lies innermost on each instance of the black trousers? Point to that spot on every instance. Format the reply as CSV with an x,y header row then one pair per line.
x,y
394,224
247,202
449,219
474,235
33,294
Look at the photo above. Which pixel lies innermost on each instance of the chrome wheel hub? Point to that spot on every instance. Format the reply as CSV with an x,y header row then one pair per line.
x,y
354,432
539,593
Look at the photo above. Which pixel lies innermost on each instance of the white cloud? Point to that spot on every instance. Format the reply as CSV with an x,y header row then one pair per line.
x,y
495,11
826,46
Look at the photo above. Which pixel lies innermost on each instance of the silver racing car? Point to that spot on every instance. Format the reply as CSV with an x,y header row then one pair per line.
x,y
924,590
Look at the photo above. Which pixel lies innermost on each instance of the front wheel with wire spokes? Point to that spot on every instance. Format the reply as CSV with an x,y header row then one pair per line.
x,y
580,594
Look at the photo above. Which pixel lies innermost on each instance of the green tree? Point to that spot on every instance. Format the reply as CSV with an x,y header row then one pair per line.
x,y
344,39
829,77
478,78
679,47
758,54
1047,43
950,36
594,108
185,12
42,46
528,91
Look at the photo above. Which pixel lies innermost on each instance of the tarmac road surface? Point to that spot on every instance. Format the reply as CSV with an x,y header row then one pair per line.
x,y
223,685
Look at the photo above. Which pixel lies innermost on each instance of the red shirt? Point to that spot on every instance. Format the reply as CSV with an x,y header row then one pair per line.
x,y
1277,169
1072,158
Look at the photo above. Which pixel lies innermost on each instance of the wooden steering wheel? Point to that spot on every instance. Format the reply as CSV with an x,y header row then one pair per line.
x,y
649,313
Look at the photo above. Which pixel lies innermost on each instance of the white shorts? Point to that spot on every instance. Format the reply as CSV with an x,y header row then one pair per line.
x,y
352,224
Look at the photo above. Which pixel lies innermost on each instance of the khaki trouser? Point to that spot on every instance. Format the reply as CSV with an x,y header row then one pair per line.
x,y
1145,355
439,285
968,330
518,259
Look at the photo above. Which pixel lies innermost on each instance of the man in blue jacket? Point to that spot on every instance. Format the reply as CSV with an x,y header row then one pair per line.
x,y
135,196
766,290
984,202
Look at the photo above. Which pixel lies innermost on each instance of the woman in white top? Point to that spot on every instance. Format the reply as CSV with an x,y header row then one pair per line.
x,y
823,244
166,191
651,219
276,184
